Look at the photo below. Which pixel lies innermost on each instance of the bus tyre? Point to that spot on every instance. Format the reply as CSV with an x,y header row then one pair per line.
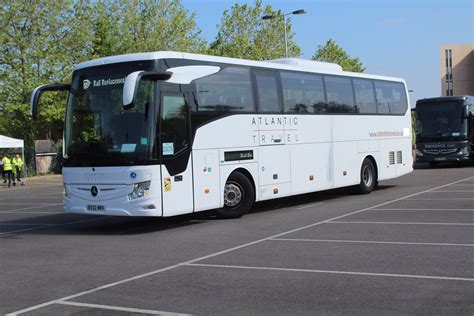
x,y
239,196
368,177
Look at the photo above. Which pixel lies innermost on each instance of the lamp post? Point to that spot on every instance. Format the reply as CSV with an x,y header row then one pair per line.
x,y
269,17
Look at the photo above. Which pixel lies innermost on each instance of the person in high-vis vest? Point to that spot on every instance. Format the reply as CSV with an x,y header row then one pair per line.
x,y
18,167
8,169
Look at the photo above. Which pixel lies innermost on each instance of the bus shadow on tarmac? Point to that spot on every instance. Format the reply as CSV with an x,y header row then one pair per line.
x,y
75,224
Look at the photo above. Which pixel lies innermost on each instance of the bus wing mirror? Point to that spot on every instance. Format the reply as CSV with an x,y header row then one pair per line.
x,y
465,112
186,74
130,87
38,91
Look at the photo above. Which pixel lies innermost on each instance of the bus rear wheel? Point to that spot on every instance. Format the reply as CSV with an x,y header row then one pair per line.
x,y
239,196
368,177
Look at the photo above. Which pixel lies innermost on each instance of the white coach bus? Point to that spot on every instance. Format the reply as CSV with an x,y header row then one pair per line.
x,y
168,133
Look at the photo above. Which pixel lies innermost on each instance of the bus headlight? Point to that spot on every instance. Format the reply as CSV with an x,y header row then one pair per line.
x,y
418,152
140,190
67,193
463,151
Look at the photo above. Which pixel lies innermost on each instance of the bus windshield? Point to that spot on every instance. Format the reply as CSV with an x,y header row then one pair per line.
x,y
441,121
98,131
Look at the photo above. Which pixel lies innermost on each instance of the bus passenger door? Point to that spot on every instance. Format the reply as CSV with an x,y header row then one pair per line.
x,y
176,159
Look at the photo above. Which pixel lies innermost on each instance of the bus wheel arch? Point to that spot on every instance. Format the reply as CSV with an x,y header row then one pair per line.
x,y
376,169
368,175
239,194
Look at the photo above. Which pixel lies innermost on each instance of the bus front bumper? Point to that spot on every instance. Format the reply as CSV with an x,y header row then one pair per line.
x,y
441,158
146,206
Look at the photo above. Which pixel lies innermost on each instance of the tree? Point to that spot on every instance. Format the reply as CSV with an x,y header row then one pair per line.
x,y
243,34
333,53
131,26
39,44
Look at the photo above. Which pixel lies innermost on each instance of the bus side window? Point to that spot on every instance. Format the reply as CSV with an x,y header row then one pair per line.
x,y
365,96
340,95
391,97
382,105
267,93
229,90
303,93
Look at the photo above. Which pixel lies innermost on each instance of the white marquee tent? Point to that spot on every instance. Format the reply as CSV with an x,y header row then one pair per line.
x,y
8,142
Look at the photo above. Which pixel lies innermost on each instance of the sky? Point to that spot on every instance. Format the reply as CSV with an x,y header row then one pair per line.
x,y
392,38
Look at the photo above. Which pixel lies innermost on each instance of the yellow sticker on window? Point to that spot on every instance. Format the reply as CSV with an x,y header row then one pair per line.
x,y
167,184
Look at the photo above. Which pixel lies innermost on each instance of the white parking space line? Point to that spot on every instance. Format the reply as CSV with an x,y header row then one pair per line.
x,y
14,189
425,209
309,205
215,254
25,224
401,223
22,212
372,242
442,199
431,277
26,203
52,226
33,200
457,191
34,197
33,207
21,230
122,309
45,195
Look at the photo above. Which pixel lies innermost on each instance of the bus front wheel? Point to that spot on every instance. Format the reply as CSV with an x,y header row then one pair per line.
x,y
368,177
239,196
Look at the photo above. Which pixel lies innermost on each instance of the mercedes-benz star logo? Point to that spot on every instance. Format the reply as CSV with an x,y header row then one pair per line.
x,y
94,191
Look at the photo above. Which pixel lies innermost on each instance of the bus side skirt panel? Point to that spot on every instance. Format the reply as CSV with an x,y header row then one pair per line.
x,y
207,184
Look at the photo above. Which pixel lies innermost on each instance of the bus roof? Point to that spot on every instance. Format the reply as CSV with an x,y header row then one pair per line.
x,y
296,64
444,99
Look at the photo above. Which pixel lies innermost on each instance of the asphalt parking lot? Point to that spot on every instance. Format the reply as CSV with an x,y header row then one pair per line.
x,y
406,248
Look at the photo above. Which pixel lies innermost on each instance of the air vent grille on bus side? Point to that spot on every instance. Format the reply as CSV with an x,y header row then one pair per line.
x,y
391,157
399,157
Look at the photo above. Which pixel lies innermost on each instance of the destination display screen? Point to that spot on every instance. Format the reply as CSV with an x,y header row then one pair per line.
x,y
238,155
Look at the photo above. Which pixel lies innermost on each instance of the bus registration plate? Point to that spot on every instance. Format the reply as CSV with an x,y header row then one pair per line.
x,y
96,208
